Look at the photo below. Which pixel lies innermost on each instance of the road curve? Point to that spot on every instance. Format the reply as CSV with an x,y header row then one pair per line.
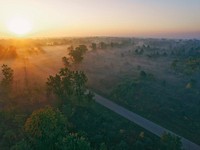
x,y
146,124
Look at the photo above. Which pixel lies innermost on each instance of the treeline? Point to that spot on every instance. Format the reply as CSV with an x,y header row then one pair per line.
x,y
112,44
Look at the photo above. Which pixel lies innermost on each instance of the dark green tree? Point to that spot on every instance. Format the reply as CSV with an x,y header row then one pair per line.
x,y
9,138
77,53
74,142
45,127
22,145
69,85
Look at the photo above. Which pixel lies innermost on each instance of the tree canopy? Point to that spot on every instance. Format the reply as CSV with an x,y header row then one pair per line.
x,y
77,53
45,127
68,85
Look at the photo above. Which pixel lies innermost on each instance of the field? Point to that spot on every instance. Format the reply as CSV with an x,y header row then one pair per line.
x,y
135,73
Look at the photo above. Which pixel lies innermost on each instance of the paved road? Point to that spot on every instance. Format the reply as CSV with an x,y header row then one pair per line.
x,y
146,124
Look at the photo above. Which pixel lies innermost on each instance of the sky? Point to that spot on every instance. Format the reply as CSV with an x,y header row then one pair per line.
x,y
135,18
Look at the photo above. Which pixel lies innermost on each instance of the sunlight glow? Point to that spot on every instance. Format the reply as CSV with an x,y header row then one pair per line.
x,y
19,25
143,18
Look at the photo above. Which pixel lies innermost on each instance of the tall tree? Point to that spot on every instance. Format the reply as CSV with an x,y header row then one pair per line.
x,y
8,75
77,53
69,85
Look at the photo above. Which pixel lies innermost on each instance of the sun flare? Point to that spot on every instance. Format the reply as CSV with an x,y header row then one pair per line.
x,y
19,25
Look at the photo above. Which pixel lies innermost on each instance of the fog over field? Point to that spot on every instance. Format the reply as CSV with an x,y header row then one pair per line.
x,y
155,78
100,75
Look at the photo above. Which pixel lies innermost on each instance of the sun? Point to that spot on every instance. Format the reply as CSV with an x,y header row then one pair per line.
x,y
19,25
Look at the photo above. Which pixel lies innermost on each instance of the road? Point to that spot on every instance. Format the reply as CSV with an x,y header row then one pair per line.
x,y
146,124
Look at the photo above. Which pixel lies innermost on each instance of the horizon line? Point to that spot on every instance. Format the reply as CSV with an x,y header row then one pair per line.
x,y
103,36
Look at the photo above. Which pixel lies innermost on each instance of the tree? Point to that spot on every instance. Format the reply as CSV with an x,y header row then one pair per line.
x,y
102,45
170,142
65,61
74,142
68,85
7,80
122,146
94,46
83,48
9,138
70,48
45,127
77,53
143,74
22,145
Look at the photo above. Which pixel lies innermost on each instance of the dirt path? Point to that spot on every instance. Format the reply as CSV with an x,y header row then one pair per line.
x,y
146,124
